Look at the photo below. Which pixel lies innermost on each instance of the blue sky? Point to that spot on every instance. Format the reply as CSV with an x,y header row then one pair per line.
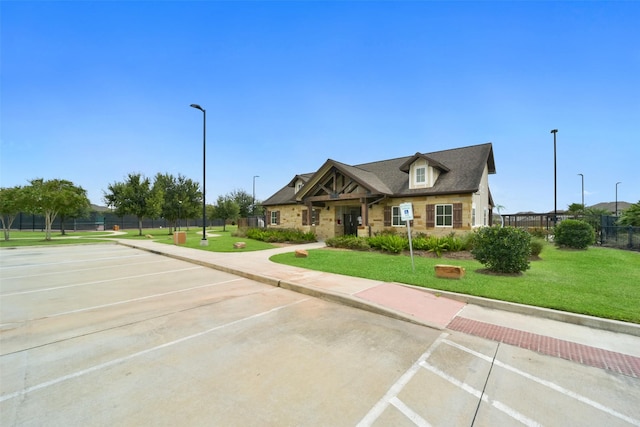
x,y
92,91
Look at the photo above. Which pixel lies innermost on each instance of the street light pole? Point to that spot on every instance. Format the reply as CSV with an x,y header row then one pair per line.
x,y
555,180
582,192
617,197
204,241
253,199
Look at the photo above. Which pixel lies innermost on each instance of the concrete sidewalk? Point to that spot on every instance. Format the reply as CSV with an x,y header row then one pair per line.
x,y
588,340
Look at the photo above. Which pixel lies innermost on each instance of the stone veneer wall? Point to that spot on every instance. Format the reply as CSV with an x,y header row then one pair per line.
x,y
291,217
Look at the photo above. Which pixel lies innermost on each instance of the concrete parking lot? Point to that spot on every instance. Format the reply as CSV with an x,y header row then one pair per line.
x,y
109,335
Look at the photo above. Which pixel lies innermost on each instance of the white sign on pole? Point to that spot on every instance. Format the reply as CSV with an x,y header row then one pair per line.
x,y
406,211
406,214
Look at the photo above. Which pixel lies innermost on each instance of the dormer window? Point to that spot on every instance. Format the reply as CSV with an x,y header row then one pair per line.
x,y
423,171
299,186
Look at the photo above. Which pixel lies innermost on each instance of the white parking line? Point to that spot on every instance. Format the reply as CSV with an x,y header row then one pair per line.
x,y
391,397
478,394
140,353
377,410
78,270
409,413
89,259
98,281
548,384
80,310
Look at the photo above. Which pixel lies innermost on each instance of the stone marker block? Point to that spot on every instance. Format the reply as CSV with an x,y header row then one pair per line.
x,y
449,271
149,236
239,245
301,253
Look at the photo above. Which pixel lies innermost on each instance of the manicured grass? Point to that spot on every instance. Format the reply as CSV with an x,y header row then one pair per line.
x,y
219,240
223,242
36,238
599,281
41,242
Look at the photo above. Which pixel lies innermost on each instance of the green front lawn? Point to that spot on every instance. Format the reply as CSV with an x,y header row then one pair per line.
x,y
36,238
219,240
599,281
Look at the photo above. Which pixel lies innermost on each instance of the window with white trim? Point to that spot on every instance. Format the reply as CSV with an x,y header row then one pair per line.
x,y
395,217
274,217
473,216
444,215
421,175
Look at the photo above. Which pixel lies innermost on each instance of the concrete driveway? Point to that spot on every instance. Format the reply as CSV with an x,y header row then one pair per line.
x,y
107,335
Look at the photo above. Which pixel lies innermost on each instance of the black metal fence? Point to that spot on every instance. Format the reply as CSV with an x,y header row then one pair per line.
x,y
99,221
530,220
622,237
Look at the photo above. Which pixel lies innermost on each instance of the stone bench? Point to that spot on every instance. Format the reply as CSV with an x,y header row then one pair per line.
x,y
239,245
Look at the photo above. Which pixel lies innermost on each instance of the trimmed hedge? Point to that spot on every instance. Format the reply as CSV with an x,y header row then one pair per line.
x,y
280,235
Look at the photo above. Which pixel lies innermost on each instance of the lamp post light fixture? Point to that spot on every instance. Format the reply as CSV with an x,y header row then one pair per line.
x,y
204,241
582,192
253,197
555,180
617,197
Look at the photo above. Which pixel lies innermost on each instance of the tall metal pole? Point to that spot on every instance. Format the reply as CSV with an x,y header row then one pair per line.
x,y
204,241
555,180
253,197
582,191
617,197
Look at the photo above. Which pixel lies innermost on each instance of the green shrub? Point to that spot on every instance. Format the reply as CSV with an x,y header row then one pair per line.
x,y
502,249
573,233
467,241
537,245
280,235
421,243
348,242
389,242
538,232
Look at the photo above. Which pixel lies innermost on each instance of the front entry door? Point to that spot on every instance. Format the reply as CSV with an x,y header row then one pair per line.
x,y
350,222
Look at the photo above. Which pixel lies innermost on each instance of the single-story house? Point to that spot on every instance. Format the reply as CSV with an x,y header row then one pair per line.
x,y
448,191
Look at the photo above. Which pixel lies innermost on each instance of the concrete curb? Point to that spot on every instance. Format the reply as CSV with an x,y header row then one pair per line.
x,y
313,291
545,313
355,302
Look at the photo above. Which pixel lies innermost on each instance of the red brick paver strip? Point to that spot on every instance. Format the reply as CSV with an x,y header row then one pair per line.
x,y
422,305
591,356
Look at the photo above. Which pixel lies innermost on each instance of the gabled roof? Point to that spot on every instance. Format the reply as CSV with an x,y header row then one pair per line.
x,y
433,163
463,169
361,176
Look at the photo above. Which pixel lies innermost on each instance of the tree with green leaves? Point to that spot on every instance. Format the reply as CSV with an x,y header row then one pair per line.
x,y
135,196
77,205
11,204
631,216
576,209
244,201
181,198
226,208
52,198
